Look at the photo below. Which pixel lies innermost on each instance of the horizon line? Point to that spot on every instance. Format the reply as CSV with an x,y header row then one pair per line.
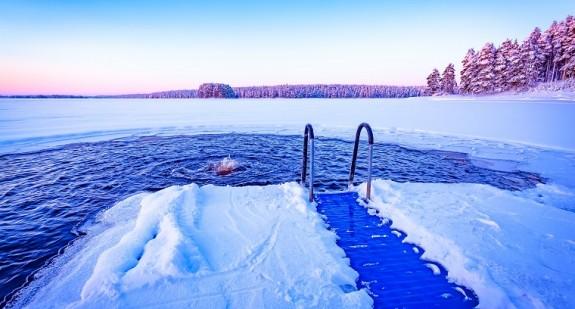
x,y
4,95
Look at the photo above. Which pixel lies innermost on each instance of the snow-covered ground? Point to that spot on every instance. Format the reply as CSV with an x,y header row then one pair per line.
x,y
208,247
267,247
251,247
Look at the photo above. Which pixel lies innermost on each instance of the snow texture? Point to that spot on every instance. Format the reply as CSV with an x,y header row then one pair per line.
x,y
204,247
512,250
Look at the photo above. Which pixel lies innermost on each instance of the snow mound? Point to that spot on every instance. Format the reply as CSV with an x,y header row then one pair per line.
x,y
514,251
205,247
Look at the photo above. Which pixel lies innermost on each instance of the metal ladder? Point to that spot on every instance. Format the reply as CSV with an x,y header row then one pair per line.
x,y
391,270
309,138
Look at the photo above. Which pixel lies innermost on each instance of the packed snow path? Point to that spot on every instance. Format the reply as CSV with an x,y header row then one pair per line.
x,y
391,270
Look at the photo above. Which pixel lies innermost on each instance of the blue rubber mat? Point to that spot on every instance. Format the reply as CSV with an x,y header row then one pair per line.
x,y
391,270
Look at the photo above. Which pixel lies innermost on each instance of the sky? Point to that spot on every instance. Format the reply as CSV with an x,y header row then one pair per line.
x,y
117,47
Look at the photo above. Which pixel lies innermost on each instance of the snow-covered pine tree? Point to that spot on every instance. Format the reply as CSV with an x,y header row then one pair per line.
x,y
486,69
568,56
468,71
542,57
546,49
569,69
433,83
533,58
551,46
448,83
515,72
500,71
559,48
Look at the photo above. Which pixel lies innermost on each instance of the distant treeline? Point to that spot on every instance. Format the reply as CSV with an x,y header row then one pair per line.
x,y
328,91
42,96
171,94
217,90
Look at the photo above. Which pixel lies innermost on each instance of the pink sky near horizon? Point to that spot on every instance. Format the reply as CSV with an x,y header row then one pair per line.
x,y
81,67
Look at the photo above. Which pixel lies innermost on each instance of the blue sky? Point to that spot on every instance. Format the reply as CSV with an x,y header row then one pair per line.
x,y
99,47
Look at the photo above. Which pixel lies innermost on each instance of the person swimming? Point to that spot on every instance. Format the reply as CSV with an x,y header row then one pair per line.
x,y
226,166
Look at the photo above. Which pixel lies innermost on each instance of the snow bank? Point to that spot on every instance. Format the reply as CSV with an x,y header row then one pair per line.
x,y
513,250
562,89
208,247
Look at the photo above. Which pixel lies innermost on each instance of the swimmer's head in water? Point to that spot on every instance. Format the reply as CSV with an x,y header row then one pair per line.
x,y
226,166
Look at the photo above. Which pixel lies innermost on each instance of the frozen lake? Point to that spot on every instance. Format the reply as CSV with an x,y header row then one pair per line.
x,y
33,123
65,161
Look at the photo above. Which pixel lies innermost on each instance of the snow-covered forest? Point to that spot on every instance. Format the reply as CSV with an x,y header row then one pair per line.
x,y
216,90
328,91
544,56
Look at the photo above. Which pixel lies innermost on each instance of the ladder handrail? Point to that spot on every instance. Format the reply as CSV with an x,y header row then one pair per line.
x,y
354,158
308,137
